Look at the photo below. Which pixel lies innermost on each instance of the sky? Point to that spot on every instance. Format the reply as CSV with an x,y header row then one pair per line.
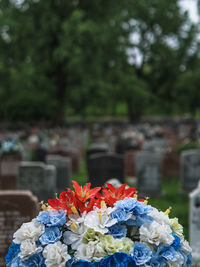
x,y
191,6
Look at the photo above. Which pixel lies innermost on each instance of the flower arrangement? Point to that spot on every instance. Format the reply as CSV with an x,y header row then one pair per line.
x,y
11,147
105,226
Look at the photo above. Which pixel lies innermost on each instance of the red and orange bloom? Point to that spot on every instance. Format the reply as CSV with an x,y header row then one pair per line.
x,y
112,194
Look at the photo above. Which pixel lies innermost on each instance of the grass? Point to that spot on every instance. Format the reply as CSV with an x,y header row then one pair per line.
x,y
171,198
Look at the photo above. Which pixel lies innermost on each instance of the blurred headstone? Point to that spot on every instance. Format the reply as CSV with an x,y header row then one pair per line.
x,y
171,164
194,225
148,166
63,171
16,207
190,169
102,167
8,170
38,178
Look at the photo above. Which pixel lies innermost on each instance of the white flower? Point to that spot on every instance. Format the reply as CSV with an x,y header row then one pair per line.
x,y
185,247
99,221
56,255
27,248
159,216
74,237
90,251
178,262
155,233
31,230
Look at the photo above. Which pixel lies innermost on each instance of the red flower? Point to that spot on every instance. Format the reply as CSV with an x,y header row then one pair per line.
x,y
66,202
112,194
84,193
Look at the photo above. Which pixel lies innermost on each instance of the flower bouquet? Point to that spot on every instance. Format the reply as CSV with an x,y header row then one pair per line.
x,y
11,147
105,226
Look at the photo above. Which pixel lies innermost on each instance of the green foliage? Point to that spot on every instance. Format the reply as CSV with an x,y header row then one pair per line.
x,y
91,57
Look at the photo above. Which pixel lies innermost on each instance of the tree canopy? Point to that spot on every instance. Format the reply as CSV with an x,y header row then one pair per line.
x,y
89,57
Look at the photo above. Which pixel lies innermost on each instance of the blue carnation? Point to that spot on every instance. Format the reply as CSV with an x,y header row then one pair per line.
x,y
156,261
43,217
117,259
167,252
120,215
189,260
50,236
12,252
57,218
177,242
33,261
141,253
126,204
139,220
141,209
118,231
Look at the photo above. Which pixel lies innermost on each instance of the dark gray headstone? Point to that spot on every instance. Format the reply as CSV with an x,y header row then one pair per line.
x,y
148,171
16,207
102,167
97,148
194,225
63,171
38,178
190,170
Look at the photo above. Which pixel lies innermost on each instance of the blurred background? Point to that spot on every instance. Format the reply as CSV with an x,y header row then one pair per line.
x,y
64,60
83,77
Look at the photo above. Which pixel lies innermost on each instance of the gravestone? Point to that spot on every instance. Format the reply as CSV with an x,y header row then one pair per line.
x,y
148,170
8,170
97,148
73,153
194,224
130,163
105,166
16,207
171,164
38,178
63,171
190,169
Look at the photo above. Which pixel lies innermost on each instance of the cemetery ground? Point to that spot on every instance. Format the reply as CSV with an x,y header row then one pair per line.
x,y
171,198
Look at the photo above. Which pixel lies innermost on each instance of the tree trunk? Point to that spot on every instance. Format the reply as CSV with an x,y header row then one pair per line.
x,y
134,114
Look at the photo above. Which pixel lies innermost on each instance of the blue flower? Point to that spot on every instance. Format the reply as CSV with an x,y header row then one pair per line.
x,y
43,217
141,253
57,218
156,262
140,220
15,262
50,236
118,231
12,252
141,209
176,243
33,261
120,259
127,204
120,215
167,252
189,260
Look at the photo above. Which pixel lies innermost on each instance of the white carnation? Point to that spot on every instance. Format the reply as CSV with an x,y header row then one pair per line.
x,y
155,233
185,247
93,250
31,230
56,255
27,248
159,216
